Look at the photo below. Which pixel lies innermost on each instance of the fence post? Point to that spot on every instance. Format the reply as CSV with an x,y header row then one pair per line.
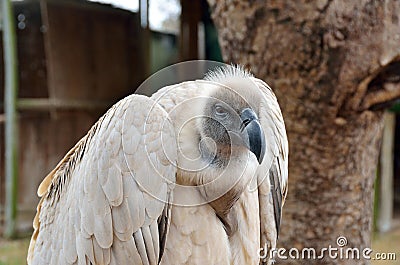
x,y
11,132
385,212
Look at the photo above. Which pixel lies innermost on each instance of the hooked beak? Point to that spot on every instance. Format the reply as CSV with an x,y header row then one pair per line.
x,y
254,136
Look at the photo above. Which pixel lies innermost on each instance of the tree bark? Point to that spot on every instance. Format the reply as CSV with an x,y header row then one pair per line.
x,y
334,66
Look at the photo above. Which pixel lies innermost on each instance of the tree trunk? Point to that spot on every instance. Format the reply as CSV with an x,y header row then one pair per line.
x,y
334,66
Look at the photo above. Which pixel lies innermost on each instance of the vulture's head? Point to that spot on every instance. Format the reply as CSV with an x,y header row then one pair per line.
x,y
233,127
220,137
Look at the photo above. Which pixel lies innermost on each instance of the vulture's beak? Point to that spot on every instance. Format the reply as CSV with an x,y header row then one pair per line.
x,y
254,136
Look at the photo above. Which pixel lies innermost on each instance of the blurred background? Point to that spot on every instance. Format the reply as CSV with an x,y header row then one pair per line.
x,y
76,58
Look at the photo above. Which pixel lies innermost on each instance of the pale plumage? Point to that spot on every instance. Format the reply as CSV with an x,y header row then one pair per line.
x,y
154,180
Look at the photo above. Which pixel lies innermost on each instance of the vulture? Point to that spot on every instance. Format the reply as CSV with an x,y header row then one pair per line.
x,y
195,174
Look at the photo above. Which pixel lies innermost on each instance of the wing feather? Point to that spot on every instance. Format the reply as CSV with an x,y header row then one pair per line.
x,y
122,225
140,245
69,244
112,188
148,241
104,201
156,238
276,193
272,176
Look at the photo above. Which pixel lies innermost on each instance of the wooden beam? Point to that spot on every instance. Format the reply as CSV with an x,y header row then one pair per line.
x,y
46,104
145,35
188,39
385,210
11,130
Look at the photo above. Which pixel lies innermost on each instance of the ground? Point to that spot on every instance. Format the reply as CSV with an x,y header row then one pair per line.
x,y
14,252
388,242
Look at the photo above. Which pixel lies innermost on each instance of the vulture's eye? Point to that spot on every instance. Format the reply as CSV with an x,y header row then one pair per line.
x,y
220,111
